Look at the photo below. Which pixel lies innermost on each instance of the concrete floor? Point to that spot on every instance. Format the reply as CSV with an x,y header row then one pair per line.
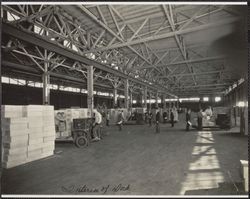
x,y
143,163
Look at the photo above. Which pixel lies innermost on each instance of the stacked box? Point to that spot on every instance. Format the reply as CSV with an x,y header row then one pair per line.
x,y
49,131
28,134
34,113
9,111
14,136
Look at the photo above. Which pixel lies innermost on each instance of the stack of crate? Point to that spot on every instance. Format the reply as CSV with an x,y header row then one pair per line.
x,y
28,133
49,135
15,141
34,114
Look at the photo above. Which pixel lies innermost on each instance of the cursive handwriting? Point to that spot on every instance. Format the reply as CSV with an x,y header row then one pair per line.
x,y
101,190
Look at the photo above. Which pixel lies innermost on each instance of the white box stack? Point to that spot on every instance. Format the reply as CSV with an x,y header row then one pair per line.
x,y
29,133
49,132
15,137
34,113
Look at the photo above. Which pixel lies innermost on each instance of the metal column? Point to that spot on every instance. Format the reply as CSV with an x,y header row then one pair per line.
x,y
46,81
177,103
149,101
115,97
145,97
126,92
131,98
90,89
164,105
156,100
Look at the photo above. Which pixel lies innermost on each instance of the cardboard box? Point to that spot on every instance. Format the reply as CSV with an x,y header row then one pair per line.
x,y
14,158
49,138
34,153
15,139
11,164
15,127
15,151
47,154
35,141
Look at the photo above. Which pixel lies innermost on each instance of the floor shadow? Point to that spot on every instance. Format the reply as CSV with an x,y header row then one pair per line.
x,y
236,188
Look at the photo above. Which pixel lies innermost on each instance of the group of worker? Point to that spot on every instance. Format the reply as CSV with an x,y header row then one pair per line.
x,y
98,123
148,117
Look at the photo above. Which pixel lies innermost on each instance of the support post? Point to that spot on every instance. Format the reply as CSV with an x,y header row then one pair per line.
x,y
156,100
164,105
114,97
90,89
126,92
46,81
150,101
177,104
131,98
145,97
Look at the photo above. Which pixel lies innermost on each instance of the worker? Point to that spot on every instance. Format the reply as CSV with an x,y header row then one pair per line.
x,y
199,119
146,117
172,118
165,117
120,119
188,119
157,122
96,126
107,119
60,122
150,115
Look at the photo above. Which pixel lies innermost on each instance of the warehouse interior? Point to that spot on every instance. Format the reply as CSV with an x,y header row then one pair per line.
x,y
150,64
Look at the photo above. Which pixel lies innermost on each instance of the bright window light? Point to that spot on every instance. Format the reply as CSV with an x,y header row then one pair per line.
x,y
241,104
12,17
5,79
217,99
134,101
38,30
205,99
38,84
13,81
66,43
234,85
74,47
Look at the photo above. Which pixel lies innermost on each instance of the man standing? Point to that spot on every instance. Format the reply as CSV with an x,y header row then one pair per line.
x,y
172,118
150,115
120,119
107,119
199,120
157,121
96,126
188,118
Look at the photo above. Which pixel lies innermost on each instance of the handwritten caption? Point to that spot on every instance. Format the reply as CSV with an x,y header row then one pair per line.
x,y
100,190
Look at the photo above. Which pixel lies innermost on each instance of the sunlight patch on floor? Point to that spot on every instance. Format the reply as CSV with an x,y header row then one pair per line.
x,y
204,169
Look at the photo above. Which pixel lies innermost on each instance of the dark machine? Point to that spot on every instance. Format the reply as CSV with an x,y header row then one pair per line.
x,y
81,132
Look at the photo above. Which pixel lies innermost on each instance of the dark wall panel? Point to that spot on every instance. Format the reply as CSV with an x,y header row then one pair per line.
x,y
23,95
